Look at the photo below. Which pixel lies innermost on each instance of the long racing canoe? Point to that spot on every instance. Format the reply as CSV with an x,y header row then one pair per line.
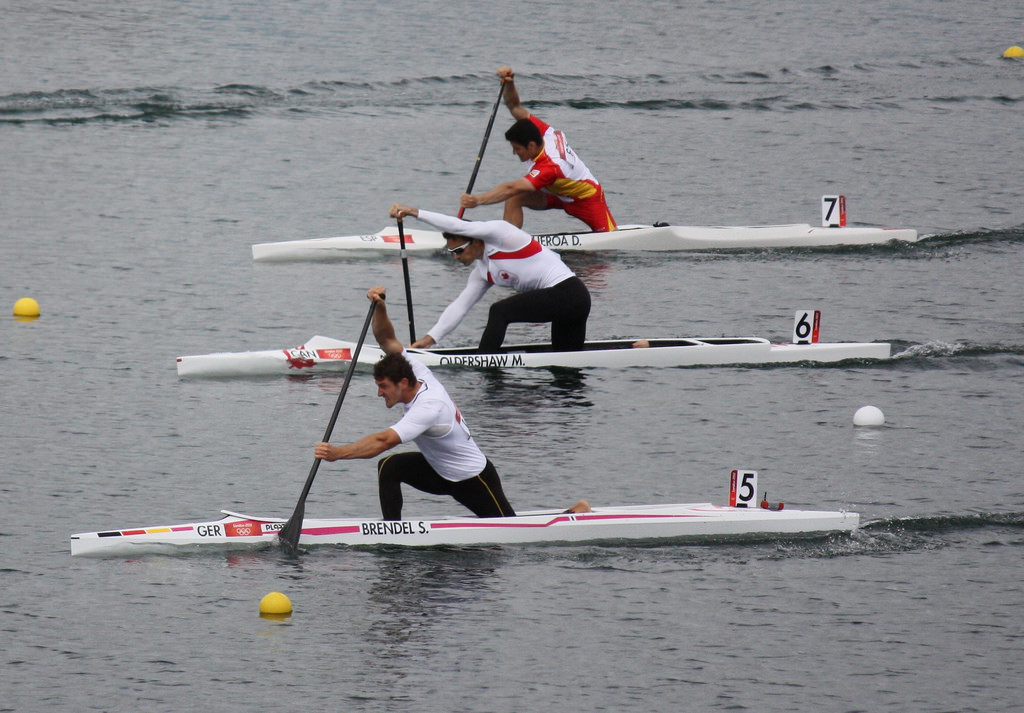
x,y
659,238
324,354
601,524
744,516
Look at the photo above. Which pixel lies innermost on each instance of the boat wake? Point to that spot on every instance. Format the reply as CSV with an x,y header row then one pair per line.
x,y
902,534
981,236
940,524
930,246
935,351
922,532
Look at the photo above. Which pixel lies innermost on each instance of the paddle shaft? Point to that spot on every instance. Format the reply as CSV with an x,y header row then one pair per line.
x,y
408,286
290,533
483,144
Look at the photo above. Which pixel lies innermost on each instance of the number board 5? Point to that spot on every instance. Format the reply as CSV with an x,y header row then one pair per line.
x,y
743,488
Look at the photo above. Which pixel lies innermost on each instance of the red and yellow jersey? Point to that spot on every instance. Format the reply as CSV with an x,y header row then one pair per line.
x,y
558,170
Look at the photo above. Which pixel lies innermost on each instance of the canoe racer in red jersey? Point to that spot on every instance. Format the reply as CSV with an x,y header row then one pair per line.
x,y
557,178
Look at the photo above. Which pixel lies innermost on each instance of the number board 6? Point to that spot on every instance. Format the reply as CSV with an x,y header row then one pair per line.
x,y
806,326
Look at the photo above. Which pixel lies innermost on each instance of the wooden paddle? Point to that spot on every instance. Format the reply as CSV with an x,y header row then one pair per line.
x,y
289,534
408,287
483,144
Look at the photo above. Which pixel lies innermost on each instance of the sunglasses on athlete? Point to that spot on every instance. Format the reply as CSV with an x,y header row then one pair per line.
x,y
459,250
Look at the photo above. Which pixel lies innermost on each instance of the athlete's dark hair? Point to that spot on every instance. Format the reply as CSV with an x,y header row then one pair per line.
x,y
394,367
523,132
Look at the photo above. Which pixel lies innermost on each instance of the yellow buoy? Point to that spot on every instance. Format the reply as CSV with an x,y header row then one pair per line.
x,y
26,307
1014,51
275,604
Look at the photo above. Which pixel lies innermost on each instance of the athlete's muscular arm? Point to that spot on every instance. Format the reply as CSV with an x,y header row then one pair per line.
x,y
366,447
498,193
383,330
511,94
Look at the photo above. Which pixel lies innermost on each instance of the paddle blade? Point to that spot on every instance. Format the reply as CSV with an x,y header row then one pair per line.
x,y
289,534
292,530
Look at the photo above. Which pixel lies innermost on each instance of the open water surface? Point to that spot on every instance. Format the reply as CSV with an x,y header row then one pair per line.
x,y
147,145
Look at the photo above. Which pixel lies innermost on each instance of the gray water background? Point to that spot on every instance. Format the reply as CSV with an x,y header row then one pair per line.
x,y
146,146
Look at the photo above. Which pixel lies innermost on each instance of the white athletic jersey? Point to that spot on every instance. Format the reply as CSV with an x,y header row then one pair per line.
x,y
512,258
434,423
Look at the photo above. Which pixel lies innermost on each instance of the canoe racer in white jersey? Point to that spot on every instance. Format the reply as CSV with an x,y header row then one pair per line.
x,y
448,462
546,289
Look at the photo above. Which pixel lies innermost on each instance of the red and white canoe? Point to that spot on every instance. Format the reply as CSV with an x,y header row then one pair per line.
x,y
743,517
603,524
832,232
660,238
324,354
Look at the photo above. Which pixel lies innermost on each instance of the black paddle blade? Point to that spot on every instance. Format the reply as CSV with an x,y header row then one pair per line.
x,y
289,534
292,530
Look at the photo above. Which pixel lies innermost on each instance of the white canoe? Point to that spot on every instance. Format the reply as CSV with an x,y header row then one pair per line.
x,y
324,354
661,238
603,524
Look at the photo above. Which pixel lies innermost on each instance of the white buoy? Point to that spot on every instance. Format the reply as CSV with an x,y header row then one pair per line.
x,y
869,416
